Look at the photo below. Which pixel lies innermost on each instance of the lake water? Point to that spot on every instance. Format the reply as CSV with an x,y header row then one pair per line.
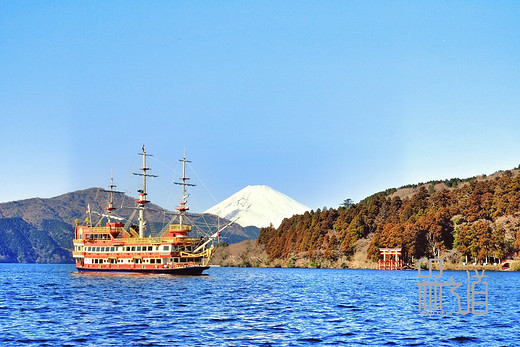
x,y
53,305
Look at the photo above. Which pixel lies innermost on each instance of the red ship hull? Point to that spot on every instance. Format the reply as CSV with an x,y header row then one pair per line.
x,y
188,271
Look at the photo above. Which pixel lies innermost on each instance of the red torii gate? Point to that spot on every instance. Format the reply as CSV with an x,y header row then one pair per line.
x,y
387,263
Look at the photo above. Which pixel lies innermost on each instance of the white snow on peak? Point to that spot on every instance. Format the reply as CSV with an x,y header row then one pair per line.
x,y
258,206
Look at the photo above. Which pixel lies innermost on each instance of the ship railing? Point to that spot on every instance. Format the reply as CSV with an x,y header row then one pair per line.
x,y
99,230
157,240
174,227
144,240
97,241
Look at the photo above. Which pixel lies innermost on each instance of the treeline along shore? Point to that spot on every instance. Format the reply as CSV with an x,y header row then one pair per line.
x,y
470,223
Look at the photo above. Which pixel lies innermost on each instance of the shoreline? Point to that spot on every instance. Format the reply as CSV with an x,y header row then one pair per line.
x,y
248,254
452,267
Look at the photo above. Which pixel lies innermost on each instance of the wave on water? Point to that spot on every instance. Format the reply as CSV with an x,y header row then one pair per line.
x,y
53,305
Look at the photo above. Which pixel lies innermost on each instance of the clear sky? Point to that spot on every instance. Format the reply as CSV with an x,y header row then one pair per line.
x,y
321,100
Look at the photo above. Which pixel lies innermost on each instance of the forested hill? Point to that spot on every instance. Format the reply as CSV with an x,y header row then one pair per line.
x,y
478,218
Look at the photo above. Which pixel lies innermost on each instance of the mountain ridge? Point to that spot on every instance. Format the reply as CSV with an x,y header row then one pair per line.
x,y
52,221
257,205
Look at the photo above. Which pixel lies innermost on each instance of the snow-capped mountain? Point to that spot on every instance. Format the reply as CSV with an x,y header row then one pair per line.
x,y
258,206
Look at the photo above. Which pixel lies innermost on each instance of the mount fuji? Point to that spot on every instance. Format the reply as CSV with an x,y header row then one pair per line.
x,y
258,206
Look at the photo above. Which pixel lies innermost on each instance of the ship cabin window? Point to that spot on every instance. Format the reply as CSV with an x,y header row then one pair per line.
x,y
100,236
175,260
97,249
112,249
166,248
156,248
139,248
137,261
102,249
133,249
128,249
150,248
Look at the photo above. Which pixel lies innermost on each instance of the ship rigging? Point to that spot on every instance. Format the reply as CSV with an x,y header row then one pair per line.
x,y
118,248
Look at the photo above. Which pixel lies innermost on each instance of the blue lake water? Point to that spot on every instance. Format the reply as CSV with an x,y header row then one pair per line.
x,y
53,305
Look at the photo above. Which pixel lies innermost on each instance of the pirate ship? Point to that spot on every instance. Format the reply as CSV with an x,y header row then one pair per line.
x,y
115,248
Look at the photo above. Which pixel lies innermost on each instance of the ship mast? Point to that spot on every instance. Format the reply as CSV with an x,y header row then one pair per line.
x,y
182,205
111,207
142,193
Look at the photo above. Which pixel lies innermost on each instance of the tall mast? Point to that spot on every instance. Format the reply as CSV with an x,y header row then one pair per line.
x,y
111,207
142,193
182,205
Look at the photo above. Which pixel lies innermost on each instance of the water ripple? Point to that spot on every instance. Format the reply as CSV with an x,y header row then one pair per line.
x,y
48,305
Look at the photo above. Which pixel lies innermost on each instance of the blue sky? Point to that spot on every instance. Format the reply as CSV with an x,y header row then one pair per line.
x,y
321,100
